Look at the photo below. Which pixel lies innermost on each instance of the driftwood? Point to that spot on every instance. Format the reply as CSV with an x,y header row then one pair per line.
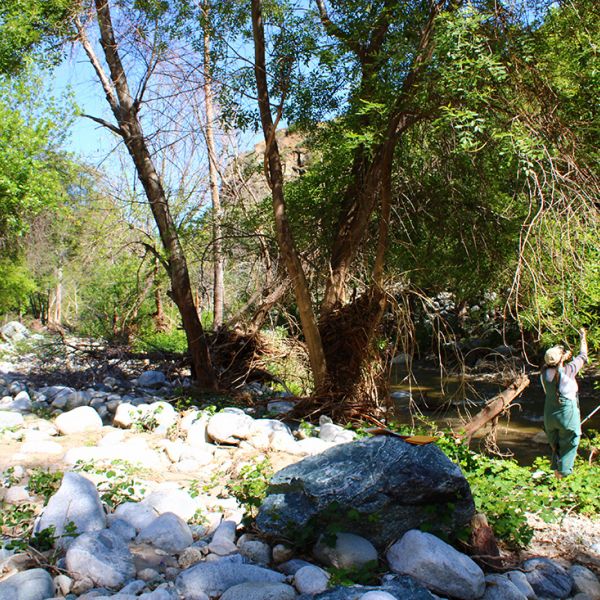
x,y
496,406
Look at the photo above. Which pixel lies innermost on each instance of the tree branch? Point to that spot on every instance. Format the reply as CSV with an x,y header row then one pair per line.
x,y
104,123
102,76
334,30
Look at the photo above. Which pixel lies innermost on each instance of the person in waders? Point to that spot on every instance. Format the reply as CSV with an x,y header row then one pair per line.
x,y
562,421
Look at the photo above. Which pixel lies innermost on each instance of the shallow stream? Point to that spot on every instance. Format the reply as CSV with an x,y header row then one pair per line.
x,y
448,401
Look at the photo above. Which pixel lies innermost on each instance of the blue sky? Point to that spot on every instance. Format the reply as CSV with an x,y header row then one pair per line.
x,y
88,139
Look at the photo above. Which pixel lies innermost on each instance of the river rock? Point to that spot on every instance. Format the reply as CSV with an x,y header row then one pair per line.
x,y
212,579
436,565
280,407
17,494
349,551
500,587
35,584
63,584
42,447
84,418
151,379
123,529
377,595
223,540
102,557
20,403
125,415
398,587
519,579
57,395
159,594
255,551
311,580
229,426
136,514
162,412
172,500
78,399
260,591
76,501
547,578
404,485
14,331
329,432
168,532
585,582
270,433
10,419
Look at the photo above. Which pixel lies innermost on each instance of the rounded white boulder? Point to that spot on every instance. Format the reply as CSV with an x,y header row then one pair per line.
x,y
83,418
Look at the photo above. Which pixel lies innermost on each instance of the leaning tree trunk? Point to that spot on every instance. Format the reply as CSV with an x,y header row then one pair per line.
x,y
125,110
285,238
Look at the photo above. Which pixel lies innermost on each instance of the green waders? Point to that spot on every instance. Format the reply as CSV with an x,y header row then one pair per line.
x,y
562,423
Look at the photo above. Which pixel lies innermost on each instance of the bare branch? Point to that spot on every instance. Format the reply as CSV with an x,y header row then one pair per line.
x,y
104,123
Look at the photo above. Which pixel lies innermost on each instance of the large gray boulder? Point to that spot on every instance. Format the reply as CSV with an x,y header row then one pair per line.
x,y
77,501
379,488
35,584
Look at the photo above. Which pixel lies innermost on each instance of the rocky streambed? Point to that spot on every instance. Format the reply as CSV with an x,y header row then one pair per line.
x,y
123,495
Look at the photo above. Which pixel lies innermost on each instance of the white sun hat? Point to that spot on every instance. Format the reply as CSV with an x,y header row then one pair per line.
x,y
554,355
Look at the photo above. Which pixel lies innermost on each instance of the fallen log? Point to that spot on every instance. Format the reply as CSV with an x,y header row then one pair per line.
x,y
496,406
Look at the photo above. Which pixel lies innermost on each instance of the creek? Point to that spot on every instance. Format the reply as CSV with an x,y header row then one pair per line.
x,y
448,401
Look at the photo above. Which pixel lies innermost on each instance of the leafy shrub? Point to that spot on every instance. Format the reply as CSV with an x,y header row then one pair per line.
x,y
250,487
45,483
119,485
165,341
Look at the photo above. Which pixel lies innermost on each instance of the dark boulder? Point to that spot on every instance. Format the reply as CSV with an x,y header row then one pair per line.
x,y
379,488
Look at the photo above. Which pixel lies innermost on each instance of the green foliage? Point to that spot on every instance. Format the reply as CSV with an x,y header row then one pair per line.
x,y
164,341
147,421
16,284
16,523
250,486
118,484
44,482
506,492
367,574
32,125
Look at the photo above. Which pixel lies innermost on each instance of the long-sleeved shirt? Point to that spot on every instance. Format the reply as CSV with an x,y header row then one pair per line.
x,y
567,385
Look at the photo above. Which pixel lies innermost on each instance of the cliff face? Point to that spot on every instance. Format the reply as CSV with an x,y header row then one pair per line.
x,y
245,176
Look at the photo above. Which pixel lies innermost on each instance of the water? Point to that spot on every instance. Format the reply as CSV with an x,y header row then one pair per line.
x,y
450,401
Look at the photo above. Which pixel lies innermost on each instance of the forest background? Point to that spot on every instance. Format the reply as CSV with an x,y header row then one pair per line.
x,y
436,182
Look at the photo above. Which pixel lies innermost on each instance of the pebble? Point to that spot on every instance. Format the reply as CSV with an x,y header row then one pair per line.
x,y
350,551
311,580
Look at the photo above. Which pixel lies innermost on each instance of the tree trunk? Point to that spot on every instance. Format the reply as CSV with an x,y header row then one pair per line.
x,y
218,287
126,113
284,234
495,407
57,317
